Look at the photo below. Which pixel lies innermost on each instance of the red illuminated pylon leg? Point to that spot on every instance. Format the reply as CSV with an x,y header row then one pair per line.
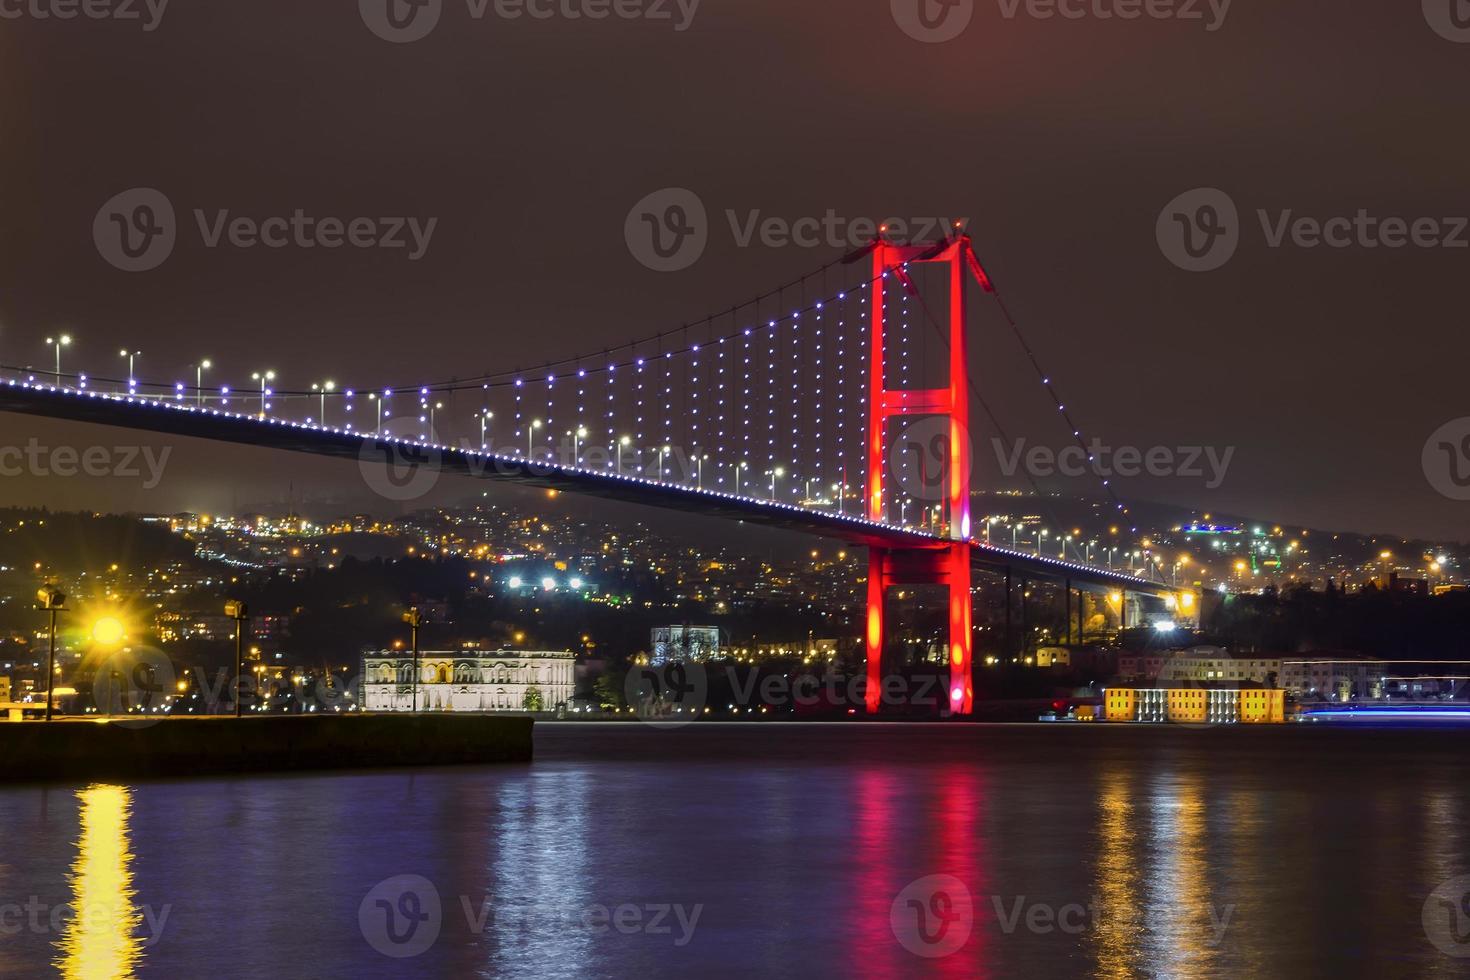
x,y
943,562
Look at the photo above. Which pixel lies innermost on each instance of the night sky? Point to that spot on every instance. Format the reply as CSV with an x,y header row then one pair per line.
x,y
529,141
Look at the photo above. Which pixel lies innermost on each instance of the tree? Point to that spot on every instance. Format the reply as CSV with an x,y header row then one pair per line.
x,y
609,690
532,701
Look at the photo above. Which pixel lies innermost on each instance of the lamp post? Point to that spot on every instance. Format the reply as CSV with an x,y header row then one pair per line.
x,y
414,618
531,438
240,613
322,390
59,342
52,600
199,370
776,474
131,356
741,466
623,443
485,416
578,434
380,399
264,378
699,471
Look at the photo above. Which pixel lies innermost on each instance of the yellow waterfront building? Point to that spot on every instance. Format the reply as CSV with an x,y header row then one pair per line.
x,y
1196,705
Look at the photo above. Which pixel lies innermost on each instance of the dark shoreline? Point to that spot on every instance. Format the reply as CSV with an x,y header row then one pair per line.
x,y
69,750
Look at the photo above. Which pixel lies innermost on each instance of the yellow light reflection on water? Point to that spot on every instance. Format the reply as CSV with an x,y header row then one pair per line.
x,y
98,941
1119,921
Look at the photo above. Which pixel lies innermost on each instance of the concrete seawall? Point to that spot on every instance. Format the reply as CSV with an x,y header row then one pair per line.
x,y
183,747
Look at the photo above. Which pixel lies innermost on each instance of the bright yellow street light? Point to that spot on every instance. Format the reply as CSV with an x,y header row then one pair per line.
x,y
108,631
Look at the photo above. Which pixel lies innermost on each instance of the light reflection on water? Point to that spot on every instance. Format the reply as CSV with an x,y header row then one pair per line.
x,y
1119,911
794,842
98,940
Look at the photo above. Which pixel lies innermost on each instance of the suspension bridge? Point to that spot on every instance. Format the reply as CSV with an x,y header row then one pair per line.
x,y
845,413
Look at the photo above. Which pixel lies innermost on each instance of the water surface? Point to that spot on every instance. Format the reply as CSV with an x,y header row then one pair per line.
x,y
771,850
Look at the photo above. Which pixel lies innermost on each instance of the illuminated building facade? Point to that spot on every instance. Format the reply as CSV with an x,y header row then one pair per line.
x,y
468,680
1196,705
684,644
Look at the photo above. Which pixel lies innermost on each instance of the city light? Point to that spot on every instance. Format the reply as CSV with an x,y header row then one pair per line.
x,y
108,631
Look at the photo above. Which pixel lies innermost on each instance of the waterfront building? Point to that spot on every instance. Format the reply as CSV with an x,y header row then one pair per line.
x,y
468,680
1196,705
1306,677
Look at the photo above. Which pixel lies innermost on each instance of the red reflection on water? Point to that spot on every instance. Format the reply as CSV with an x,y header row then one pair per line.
x,y
912,826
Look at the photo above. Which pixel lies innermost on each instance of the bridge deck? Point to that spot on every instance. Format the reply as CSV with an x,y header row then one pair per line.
x,y
182,419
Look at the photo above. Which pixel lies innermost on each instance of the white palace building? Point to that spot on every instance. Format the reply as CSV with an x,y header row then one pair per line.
x,y
467,680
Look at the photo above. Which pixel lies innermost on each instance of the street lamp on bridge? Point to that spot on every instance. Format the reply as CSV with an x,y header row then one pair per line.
x,y
59,342
131,356
263,378
199,370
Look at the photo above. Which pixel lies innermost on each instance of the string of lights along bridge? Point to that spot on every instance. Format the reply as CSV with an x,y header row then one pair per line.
x,y
846,393
768,400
